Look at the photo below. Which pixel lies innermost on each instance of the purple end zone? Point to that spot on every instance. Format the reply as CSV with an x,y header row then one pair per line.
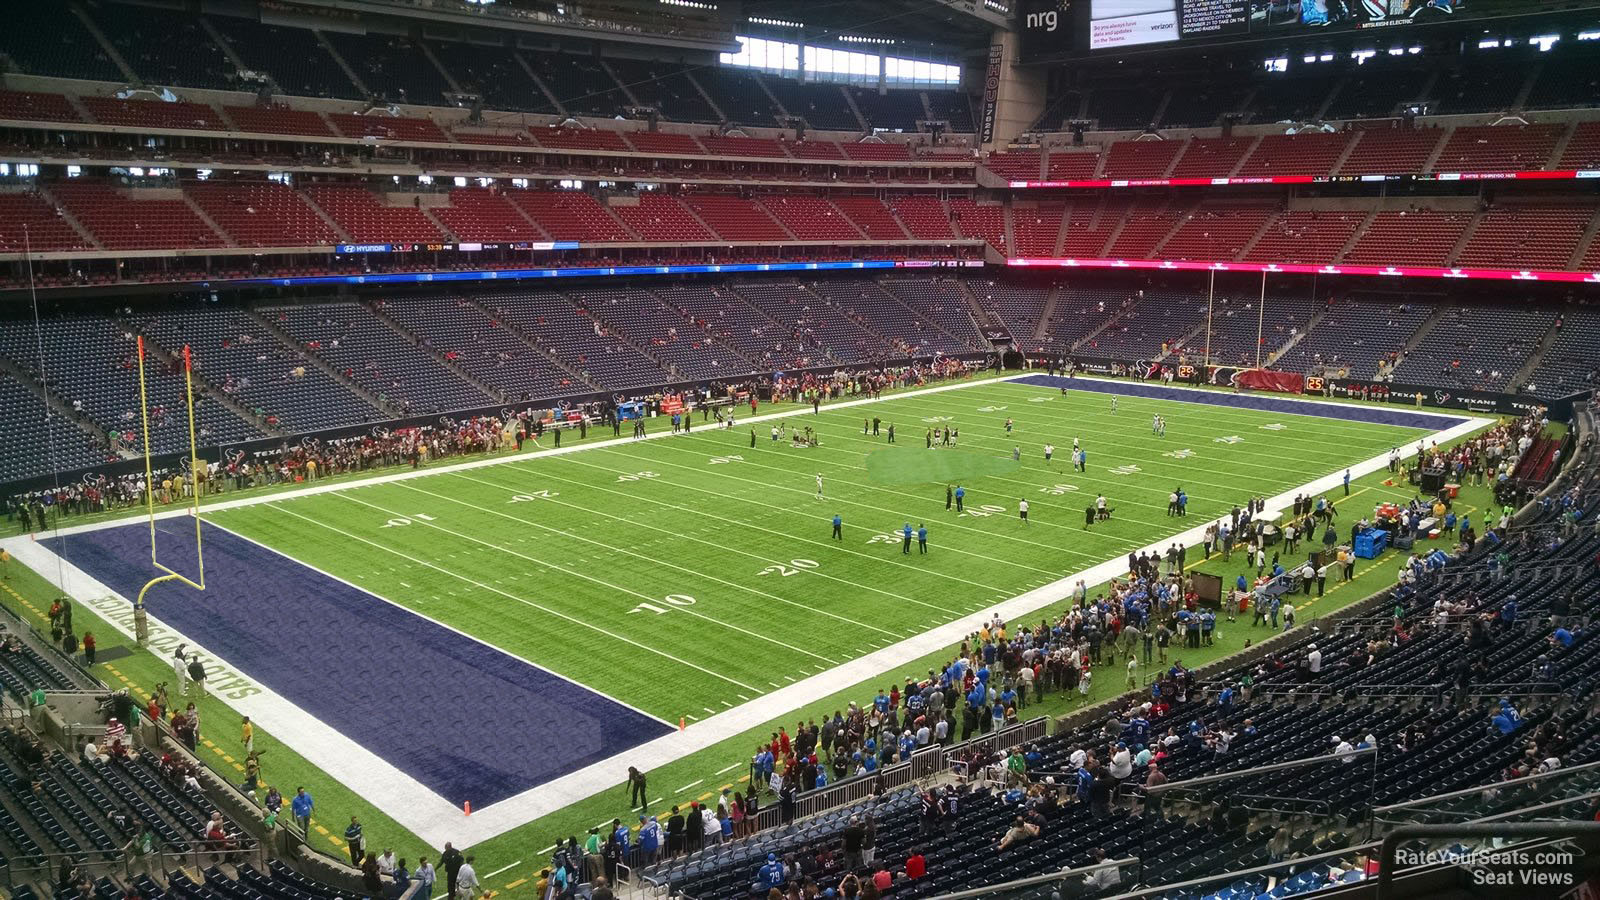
x,y
466,720
1259,402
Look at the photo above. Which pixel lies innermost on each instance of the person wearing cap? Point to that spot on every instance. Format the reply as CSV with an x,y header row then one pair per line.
x,y
1345,750
771,875
649,837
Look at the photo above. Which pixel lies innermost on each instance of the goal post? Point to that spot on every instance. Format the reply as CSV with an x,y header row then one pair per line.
x,y
189,469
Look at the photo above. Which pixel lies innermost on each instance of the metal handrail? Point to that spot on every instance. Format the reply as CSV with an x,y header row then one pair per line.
x,y
1499,785
1080,872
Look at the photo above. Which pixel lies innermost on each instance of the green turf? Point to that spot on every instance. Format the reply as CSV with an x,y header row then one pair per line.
x,y
669,552
607,539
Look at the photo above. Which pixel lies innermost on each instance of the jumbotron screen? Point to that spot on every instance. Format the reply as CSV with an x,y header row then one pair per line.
x,y
1058,27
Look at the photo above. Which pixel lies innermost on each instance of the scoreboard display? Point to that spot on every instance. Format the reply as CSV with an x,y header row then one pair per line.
x,y
1058,28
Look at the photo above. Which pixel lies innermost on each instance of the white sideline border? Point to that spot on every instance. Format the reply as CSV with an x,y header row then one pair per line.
x,y
436,820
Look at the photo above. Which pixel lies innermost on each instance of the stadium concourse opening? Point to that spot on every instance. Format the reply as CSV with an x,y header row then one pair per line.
x,y
884,420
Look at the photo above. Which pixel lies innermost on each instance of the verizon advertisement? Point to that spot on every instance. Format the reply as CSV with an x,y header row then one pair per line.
x,y
1129,23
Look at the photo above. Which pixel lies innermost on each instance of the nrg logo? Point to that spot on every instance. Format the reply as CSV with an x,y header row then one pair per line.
x,y
1045,20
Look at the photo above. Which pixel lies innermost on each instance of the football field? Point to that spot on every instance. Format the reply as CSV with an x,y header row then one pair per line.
x,y
551,612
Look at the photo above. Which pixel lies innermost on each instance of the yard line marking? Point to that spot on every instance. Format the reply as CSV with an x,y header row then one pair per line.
x,y
709,710
692,784
648,598
807,491
522,600
547,849
751,525
730,768
623,550
504,869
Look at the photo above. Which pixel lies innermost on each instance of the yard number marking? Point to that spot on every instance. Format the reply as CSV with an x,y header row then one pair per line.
x,y
398,521
794,567
671,599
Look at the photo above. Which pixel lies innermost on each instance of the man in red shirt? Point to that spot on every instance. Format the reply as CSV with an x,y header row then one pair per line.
x,y
916,864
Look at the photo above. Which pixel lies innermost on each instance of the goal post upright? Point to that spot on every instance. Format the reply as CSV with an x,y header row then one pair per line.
x,y
141,622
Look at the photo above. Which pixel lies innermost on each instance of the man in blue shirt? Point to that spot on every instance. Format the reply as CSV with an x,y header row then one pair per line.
x,y
881,702
838,527
771,876
961,494
905,533
301,807
922,538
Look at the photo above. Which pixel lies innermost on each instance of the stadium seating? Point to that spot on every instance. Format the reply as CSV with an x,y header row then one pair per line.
x,y
1211,157
245,361
1123,108
1038,228
739,95
822,106
28,106
134,219
665,142
261,214
1016,166
895,109
480,214
1288,97
811,218
1090,225
166,47
652,324
923,218
735,218
45,229
659,217
37,441
295,59
1241,326
152,114
1018,306
1409,237
1159,319
1583,148
387,127
1217,230
481,344
278,120
1201,102
570,216
48,39
1569,365
721,313
1065,166
1475,347
579,139
733,145
493,73
952,107
367,218
1566,82
581,85
940,303
665,86
95,365
1391,151
1141,159
362,348
1376,89
578,340
1294,154
1148,221
1306,236
1526,237
1498,148
877,151
812,321
1355,336
391,67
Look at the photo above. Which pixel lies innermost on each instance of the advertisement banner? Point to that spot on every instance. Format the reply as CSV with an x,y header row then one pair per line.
x,y
991,93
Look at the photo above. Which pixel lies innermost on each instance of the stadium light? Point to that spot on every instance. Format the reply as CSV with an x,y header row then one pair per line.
x,y
1545,41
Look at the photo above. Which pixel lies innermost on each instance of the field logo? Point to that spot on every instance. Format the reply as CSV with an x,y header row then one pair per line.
x,y
1040,399
1056,490
1230,439
1185,453
990,408
1274,426
940,419
1129,469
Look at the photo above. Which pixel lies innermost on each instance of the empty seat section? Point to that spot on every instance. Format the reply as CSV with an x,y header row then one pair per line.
x,y
1146,224
367,218
811,321
739,95
580,84
980,220
48,39
1526,237
874,150
483,344
1498,148
1391,151
36,440
1409,237
1294,154
152,113
492,72
296,60
27,106
659,217
579,139
277,120
481,214
392,67
261,213
665,86
953,107
924,218
1037,229
897,109
821,105
555,324
1066,166
167,47
387,127
735,218
1022,165
570,216
665,142
1306,237
1141,159
134,218
1211,157
649,322
245,361
1355,336
1583,148
1476,347
45,229
877,222
813,218
1217,230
